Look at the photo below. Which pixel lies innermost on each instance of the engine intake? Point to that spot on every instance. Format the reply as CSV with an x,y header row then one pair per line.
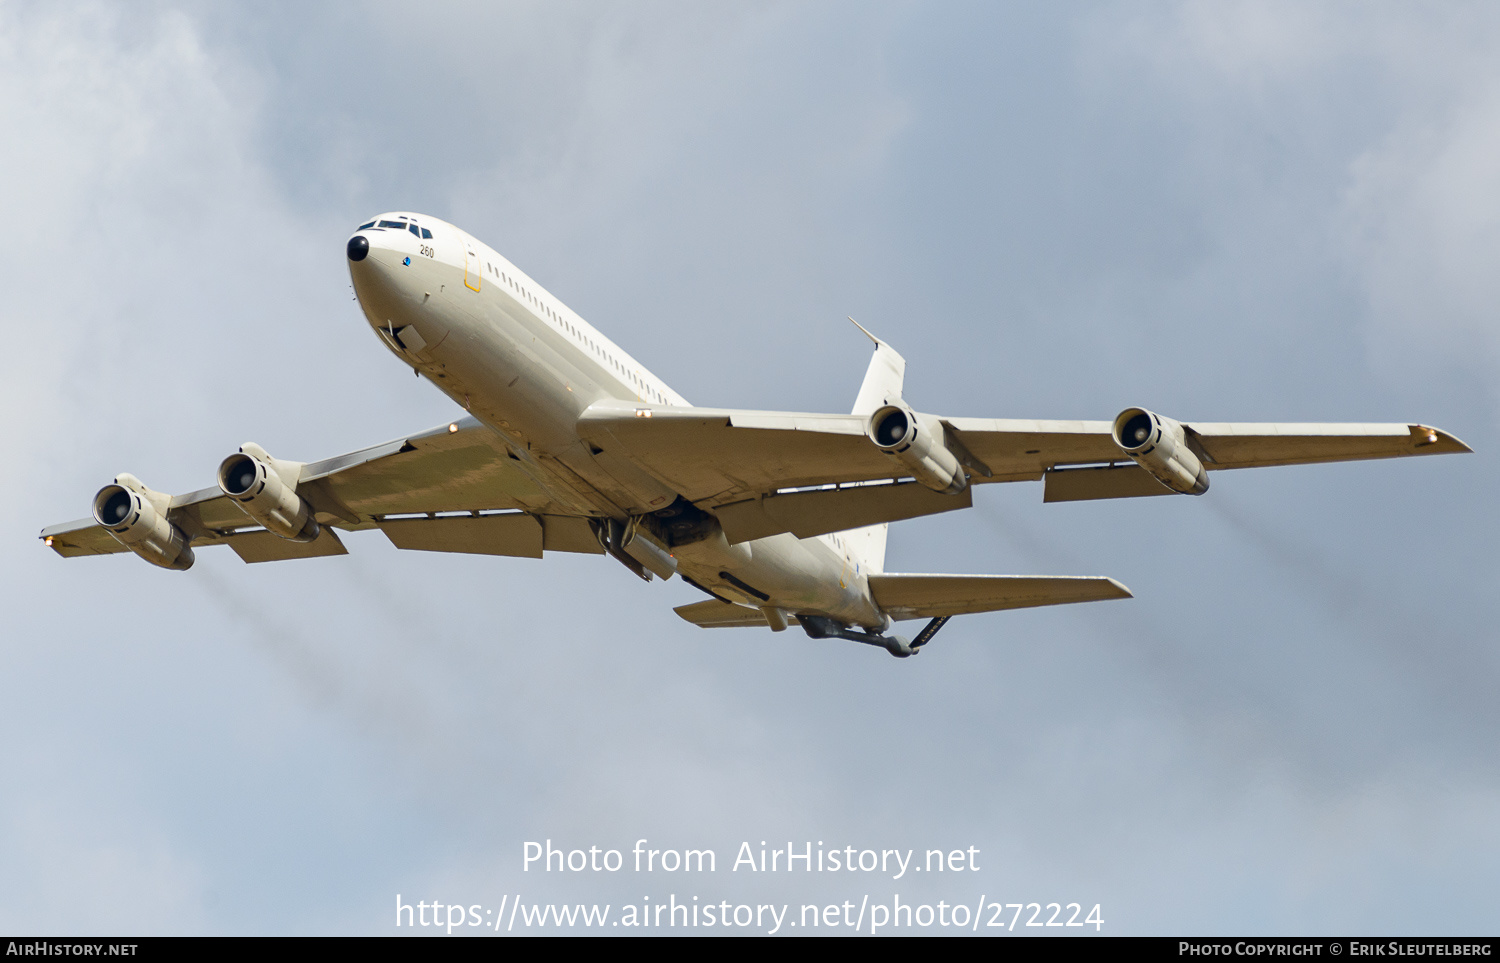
x,y
253,480
900,432
136,517
1160,445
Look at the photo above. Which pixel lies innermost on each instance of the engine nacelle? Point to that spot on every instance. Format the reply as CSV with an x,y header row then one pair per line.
x,y
648,548
137,518
257,483
897,431
1160,445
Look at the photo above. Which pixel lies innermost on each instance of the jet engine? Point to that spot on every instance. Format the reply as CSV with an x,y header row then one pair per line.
x,y
1160,445
646,546
259,485
137,517
897,431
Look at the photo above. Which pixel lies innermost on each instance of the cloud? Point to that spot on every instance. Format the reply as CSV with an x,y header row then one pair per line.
x,y
85,871
1408,199
1424,225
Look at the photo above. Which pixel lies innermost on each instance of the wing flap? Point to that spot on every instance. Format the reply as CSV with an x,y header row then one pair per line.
x,y
563,533
933,596
821,511
1101,481
264,546
516,534
513,533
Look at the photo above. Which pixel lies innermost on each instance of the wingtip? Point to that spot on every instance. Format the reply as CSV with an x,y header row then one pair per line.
x,y
1124,593
1456,446
1436,441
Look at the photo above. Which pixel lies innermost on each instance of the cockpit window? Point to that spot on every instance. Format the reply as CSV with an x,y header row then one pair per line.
x,y
366,227
426,234
398,225
413,229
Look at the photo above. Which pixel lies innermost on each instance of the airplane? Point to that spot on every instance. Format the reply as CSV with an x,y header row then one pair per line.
x,y
569,444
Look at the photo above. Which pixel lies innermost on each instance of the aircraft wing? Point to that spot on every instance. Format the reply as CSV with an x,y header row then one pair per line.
x,y
716,453
1225,445
742,464
720,454
449,471
1231,445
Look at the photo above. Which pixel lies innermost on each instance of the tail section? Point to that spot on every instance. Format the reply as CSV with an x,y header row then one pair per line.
x,y
938,596
934,597
867,545
883,384
884,379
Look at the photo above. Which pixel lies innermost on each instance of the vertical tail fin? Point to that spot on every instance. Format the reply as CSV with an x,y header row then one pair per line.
x,y
883,384
867,545
883,379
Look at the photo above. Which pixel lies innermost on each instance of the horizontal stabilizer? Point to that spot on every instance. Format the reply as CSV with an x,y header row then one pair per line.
x,y
821,511
934,596
714,614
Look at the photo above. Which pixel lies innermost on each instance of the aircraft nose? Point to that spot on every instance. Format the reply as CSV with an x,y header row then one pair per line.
x,y
359,246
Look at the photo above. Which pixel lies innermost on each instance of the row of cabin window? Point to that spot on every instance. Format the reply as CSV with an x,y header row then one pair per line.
x,y
651,392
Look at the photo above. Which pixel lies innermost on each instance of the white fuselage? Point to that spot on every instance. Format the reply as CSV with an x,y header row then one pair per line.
x,y
523,364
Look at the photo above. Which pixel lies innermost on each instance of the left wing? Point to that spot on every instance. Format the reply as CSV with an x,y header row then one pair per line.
x,y
460,468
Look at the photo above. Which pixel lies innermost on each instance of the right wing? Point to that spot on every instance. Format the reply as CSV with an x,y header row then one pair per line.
x,y
720,455
1225,445
463,468
764,472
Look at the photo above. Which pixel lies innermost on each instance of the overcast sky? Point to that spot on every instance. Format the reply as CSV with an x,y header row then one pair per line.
x,y
1222,211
